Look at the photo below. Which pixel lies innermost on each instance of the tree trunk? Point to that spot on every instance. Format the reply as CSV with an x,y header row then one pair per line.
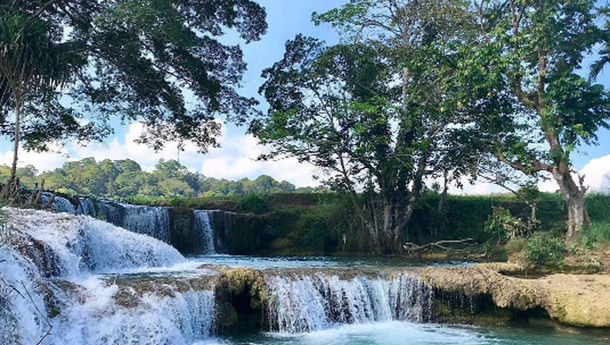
x,y
575,200
11,186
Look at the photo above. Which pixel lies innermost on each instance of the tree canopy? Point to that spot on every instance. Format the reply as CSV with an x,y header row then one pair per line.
x,y
380,112
159,62
533,51
126,179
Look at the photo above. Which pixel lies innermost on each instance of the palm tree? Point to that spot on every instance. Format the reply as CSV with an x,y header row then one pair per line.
x,y
30,63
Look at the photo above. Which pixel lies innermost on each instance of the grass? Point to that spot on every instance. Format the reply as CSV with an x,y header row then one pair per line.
x,y
598,234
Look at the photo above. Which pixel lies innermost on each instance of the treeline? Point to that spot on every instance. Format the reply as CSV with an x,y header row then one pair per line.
x,y
126,179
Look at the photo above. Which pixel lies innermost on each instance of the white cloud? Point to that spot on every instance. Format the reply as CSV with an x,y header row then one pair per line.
x,y
596,173
42,161
235,159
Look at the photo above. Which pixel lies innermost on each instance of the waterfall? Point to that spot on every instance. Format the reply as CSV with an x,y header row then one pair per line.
x,y
149,220
86,207
318,301
173,316
59,203
69,245
21,315
204,231
96,311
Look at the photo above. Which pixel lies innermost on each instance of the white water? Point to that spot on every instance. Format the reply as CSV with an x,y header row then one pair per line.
x,y
170,317
86,207
148,220
59,203
315,301
73,245
89,312
22,307
204,231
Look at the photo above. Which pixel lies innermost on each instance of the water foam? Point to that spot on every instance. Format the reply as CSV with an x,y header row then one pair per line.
x,y
204,231
312,302
80,244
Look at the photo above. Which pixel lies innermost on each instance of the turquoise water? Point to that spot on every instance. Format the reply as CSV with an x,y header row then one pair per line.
x,y
262,262
401,333
377,333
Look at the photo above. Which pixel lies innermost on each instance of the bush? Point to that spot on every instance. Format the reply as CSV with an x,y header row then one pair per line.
x,y
253,203
502,226
515,245
597,233
545,250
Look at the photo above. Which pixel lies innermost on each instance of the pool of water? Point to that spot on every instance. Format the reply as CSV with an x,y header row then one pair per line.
x,y
193,265
401,333
378,333
262,262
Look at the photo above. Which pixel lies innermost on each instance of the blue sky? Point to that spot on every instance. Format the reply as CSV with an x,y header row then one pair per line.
x,y
235,159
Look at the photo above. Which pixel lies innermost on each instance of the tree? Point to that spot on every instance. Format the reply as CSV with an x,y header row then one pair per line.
x,y
538,47
340,109
29,65
67,66
378,112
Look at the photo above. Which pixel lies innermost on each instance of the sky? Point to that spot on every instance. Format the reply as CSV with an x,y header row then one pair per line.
x,y
236,158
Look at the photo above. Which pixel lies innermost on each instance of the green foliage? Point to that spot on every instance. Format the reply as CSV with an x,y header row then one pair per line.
x,y
502,226
253,203
134,59
598,205
532,53
545,250
124,179
515,245
597,233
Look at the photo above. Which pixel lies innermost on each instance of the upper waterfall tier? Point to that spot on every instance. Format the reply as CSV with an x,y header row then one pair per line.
x,y
68,245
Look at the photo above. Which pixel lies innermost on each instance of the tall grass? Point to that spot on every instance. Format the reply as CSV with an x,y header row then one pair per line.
x,y
597,234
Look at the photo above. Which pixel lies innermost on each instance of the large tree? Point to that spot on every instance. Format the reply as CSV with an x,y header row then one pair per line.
x,y
67,67
538,48
345,110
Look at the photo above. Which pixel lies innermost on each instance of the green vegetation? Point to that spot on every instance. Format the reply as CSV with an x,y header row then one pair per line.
x,y
545,250
67,67
324,223
531,52
502,226
125,179
597,234
439,89
416,91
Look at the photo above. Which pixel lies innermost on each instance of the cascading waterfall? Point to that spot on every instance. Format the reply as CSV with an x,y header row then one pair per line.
x,y
318,301
173,317
148,220
59,203
92,310
204,231
86,207
72,245
110,211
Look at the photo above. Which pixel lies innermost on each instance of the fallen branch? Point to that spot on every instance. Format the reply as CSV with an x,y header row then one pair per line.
x,y
411,247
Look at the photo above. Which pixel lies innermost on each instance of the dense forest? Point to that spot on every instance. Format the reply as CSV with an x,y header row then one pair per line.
x,y
126,179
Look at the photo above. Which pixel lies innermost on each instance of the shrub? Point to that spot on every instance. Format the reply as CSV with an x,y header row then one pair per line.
x,y
501,226
253,203
597,233
545,250
515,245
